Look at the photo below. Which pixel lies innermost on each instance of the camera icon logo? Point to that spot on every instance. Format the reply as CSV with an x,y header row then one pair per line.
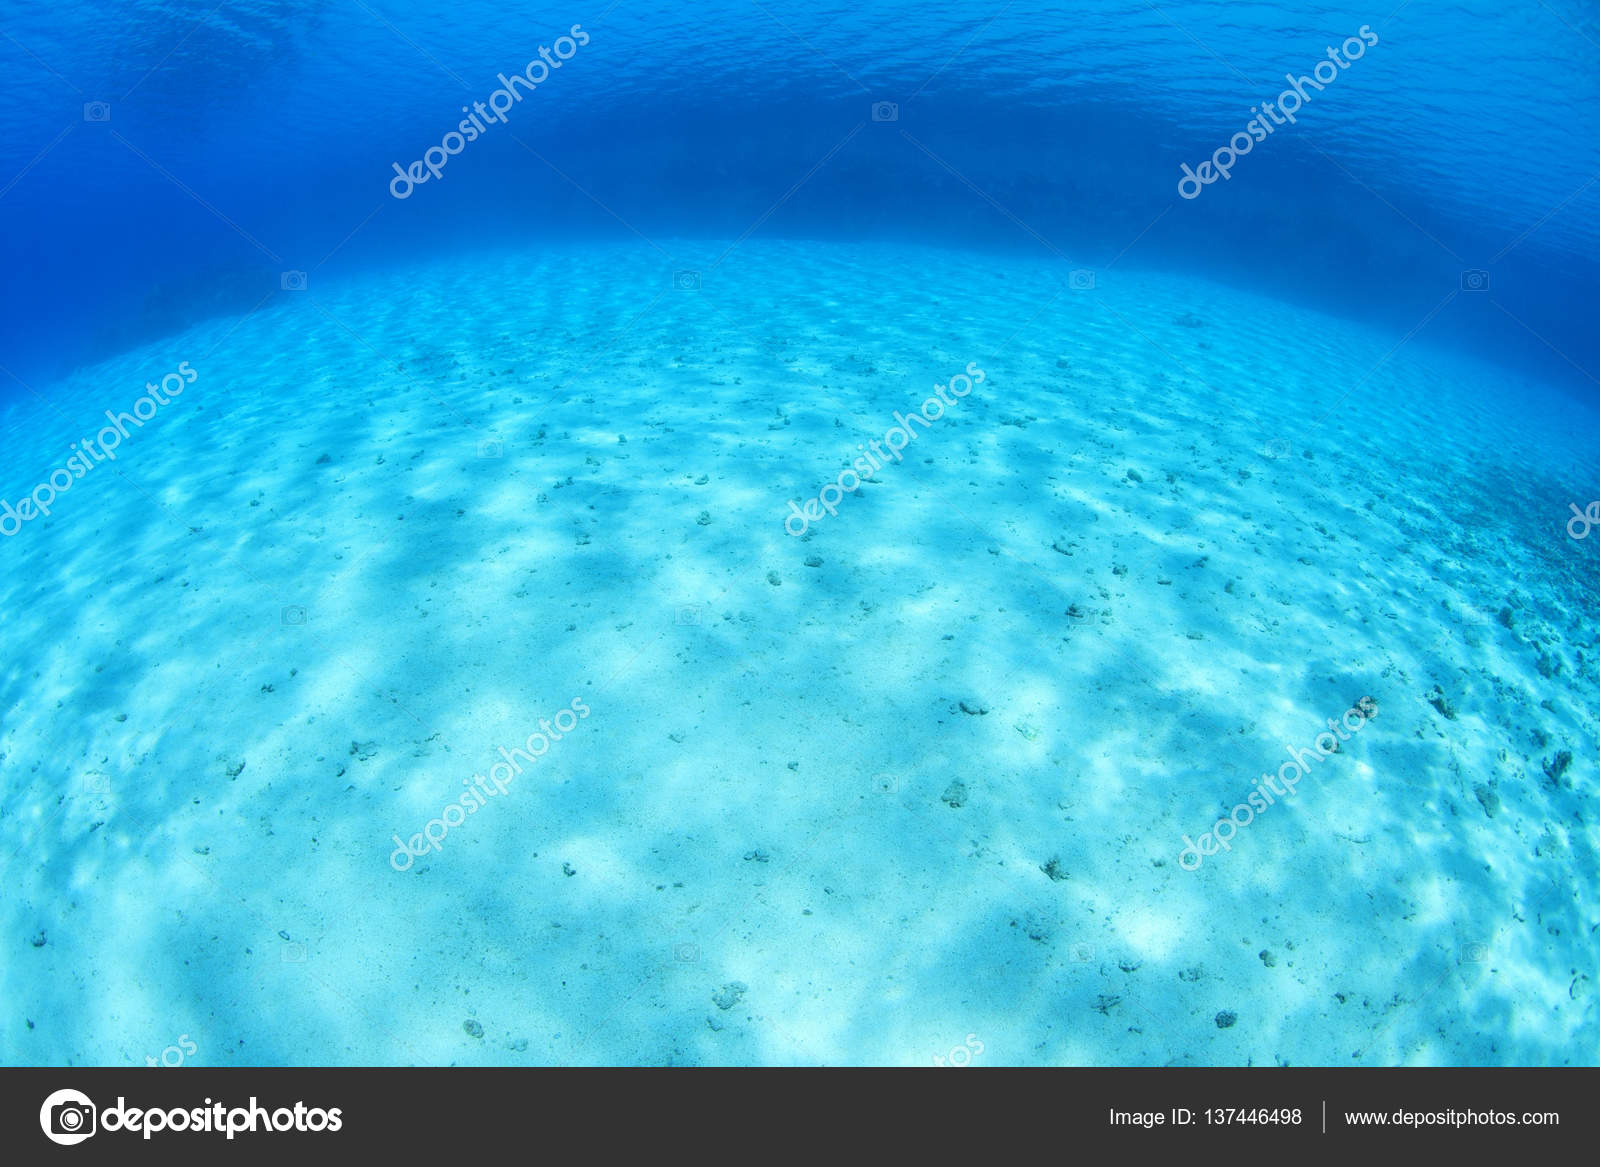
x,y
1083,953
1475,280
885,111
686,953
294,616
686,281
885,783
97,783
294,953
293,281
96,111
67,1117
1277,448
1081,280
1474,952
492,448
689,614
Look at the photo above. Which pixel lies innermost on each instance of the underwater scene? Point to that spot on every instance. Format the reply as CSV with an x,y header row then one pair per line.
x,y
746,533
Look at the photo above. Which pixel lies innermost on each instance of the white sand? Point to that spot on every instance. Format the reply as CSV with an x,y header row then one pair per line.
x,y
757,796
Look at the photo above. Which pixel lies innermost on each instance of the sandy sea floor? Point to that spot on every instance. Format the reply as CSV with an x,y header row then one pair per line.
x,y
911,787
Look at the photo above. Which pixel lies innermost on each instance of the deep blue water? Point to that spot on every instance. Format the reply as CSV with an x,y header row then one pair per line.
x,y
260,137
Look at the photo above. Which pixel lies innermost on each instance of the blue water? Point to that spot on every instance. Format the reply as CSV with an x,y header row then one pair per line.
x,y
867,197
259,139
